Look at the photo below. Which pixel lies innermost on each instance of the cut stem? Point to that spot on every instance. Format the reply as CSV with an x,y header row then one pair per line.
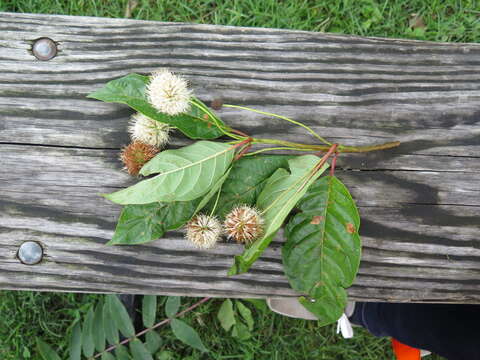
x,y
340,149
334,163
274,148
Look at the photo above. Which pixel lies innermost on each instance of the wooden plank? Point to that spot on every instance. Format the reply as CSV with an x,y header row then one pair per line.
x,y
420,203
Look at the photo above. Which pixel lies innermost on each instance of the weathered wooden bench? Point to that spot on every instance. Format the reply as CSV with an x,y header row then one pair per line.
x,y
420,202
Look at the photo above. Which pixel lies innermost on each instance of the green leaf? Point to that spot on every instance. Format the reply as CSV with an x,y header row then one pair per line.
x,y
246,180
322,253
187,335
121,353
166,355
46,351
139,224
107,356
280,194
213,191
149,310
88,344
98,328
139,351
226,315
110,327
240,331
120,316
246,314
172,306
185,174
153,341
130,90
259,304
75,342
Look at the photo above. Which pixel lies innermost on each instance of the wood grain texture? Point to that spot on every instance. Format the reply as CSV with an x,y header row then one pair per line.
x,y
420,203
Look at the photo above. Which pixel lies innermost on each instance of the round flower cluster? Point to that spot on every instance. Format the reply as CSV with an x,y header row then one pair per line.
x,y
149,131
243,224
167,93
135,155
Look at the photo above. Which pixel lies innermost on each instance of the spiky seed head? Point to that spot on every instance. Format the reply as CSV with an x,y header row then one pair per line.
x,y
169,93
137,154
244,224
204,231
148,130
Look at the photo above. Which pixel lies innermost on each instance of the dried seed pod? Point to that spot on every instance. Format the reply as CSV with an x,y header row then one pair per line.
x,y
244,224
137,154
203,231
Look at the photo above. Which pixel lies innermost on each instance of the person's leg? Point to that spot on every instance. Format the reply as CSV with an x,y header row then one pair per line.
x,y
451,331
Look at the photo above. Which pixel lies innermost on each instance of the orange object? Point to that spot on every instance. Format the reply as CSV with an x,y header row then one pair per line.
x,y
405,352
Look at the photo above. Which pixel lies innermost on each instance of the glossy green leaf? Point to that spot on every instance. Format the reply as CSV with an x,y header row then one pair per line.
x,y
322,253
246,180
75,342
172,305
107,356
139,224
245,313
46,351
139,351
120,316
187,334
98,328
88,344
149,310
130,90
280,194
226,315
121,353
109,325
153,341
185,174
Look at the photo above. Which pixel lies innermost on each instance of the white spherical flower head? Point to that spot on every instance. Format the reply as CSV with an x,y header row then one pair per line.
x,y
149,131
168,93
204,231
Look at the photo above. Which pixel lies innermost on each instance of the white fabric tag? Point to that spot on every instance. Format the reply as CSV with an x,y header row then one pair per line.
x,y
343,325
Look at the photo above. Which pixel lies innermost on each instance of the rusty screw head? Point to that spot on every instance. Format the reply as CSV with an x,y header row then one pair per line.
x,y
30,253
44,49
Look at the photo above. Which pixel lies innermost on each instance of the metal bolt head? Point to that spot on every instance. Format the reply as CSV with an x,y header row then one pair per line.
x,y
30,253
44,49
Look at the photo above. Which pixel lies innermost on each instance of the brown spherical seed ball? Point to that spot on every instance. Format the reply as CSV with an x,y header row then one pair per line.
x,y
244,224
137,154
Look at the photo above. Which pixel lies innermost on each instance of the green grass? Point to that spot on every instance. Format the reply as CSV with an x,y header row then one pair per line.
x,y
275,337
445,20
25,315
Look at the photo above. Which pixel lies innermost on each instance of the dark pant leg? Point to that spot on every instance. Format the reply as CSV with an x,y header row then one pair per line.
x,y
452,331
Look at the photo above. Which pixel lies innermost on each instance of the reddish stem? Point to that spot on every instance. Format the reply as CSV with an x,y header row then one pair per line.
x,y
243,142
243,151
163,322
325,157
239,132
334,163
